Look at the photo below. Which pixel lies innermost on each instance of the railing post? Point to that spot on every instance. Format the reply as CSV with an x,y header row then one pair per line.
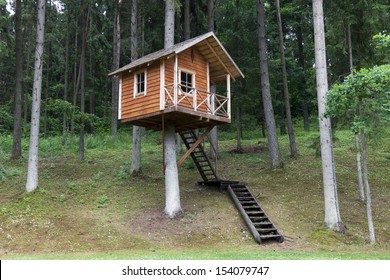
x,y
195,97
228,95
208,95
212,97
162,84
175,83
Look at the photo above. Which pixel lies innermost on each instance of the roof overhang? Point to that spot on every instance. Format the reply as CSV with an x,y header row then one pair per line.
x,y
220,62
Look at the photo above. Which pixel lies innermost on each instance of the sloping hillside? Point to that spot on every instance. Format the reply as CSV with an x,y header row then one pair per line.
x,y
95,207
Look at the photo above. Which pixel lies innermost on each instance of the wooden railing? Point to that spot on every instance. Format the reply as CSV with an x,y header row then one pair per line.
x,y
197,100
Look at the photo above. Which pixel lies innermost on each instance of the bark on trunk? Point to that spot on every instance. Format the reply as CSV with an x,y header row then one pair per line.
x,y
356,136
115,65
187,20
46,99
349,42
290,129
17,131
76,82
213,136
66,82
82,78
169,37
210,15
359,168
135,52
301,60
273,144
214,150
239,129
136,152
32,171
332,214
371,229
172,191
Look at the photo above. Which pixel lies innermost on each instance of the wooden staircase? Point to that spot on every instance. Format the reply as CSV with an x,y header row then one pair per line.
x,y
254,216
199,156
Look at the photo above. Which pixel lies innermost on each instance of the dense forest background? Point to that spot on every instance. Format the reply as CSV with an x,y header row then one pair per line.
x,y
235,26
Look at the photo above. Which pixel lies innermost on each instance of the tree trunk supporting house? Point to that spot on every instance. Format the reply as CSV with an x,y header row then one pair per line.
x,y
172,192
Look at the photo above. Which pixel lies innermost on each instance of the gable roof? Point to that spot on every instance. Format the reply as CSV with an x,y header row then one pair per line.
x,y
220,62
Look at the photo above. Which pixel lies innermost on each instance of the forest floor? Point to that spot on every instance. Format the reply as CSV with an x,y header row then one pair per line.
x,y
96,210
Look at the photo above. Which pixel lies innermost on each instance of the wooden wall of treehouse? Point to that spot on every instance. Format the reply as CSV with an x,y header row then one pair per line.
x,y
190,61
141,104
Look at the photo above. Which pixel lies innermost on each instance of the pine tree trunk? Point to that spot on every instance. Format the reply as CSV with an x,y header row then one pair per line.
x,y
27,66
76,82
210,15
213,136
291,136
187,20
371,229
136,152
66,82
349,43
356,136
115,65
17,132
359,168
169,37
187,36
82,78
46,98
172,191
301,60
32,170
273,144
332,214
239,129
135,52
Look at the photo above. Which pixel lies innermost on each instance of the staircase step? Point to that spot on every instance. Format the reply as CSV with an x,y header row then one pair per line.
x,y
270,236
246,198
265,230
261,224
258,219
252,213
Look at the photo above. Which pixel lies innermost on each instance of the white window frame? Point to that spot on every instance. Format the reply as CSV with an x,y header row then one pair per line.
x,y
136,93
193,79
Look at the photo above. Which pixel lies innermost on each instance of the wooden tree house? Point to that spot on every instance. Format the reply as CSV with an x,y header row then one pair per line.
x,y
174,84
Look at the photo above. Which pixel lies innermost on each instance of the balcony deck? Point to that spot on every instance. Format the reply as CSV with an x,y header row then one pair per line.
x,y
187,108
182,118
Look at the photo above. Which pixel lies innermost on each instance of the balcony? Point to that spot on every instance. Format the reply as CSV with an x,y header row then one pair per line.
x,y
198,101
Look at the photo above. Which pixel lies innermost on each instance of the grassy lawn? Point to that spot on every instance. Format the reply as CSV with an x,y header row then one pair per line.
x,y
96,210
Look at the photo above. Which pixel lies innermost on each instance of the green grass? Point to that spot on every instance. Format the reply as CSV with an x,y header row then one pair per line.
x,y
207,255
95,209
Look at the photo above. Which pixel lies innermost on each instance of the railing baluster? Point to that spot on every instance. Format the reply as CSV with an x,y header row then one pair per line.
x,y
214,104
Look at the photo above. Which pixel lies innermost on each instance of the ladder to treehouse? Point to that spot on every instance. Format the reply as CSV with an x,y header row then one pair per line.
x,y
257,221
198,154
254,216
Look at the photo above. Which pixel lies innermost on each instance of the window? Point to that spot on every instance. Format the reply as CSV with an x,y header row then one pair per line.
x,y
187,81
140,83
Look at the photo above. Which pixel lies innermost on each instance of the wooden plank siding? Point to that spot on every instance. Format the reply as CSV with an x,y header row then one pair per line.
x,y
197,66
190,60
142,104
